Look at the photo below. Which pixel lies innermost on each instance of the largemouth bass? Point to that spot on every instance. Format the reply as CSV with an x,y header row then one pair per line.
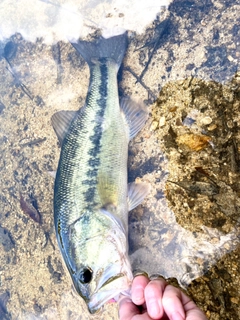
x,y
91,195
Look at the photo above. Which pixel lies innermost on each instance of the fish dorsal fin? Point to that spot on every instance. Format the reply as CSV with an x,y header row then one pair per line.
x,y
136,193
61,122
135,115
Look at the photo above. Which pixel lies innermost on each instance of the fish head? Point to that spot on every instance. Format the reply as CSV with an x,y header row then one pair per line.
x,y
99,263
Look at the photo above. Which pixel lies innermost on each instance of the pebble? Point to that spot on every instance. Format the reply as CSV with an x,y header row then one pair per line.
x,y
154,125
234,300
162,121
206,120
212,127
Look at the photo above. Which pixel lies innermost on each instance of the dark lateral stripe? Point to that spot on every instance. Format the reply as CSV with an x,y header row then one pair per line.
x,y
94,152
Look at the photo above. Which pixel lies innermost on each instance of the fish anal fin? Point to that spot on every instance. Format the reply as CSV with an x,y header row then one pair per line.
x,y
135,115
61,122
136,193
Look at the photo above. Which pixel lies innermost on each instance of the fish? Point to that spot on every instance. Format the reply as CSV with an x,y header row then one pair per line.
x,y
91,195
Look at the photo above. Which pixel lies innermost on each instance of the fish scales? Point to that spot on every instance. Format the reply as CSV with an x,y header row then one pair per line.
x,y
90,151
91,195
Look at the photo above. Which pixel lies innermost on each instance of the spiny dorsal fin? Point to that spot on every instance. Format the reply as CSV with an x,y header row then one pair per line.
x,y
135,114
61,122
136,193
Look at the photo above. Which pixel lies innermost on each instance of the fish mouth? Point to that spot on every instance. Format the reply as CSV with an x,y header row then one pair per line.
x,y
115,279
110,289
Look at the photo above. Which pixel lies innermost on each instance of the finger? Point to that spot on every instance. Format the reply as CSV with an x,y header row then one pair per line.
x,y
138,286
153,296
192,311
179,306
127,309
173,304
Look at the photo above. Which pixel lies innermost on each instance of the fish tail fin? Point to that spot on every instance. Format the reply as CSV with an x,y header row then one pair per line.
x,y
112,48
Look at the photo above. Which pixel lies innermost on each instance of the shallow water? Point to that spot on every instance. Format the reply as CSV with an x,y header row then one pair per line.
x,y
185,67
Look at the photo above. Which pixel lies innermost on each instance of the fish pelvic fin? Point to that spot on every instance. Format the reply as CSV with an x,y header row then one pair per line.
x,y
136,193
112,48
135,115
61,122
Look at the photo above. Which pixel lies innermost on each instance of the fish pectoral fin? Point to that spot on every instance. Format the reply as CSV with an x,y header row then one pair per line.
x,y
113,218
136,193
135,115
61,122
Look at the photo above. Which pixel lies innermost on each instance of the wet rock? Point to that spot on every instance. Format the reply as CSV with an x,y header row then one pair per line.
x,y
193,141
4,297
52,266
6,239
2,107
10,50
37,308
30,209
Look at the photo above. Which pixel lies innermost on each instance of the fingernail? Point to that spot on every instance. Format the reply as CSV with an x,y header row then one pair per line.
x,y
137,294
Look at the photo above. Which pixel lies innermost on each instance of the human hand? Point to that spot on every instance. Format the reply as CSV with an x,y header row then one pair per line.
x,y
156,299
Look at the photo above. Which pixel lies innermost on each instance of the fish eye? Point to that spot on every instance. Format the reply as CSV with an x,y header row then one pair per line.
x,y
85,275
